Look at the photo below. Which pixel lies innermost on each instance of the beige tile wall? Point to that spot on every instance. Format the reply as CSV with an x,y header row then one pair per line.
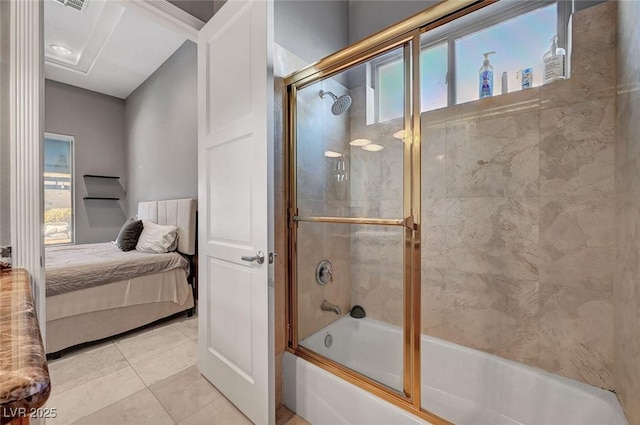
x,y
518,211
519,243
626,294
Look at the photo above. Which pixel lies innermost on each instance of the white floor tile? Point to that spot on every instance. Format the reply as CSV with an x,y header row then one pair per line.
x,y
188,327
169,362
77,368
141,408
145,345
220,412
185,393
94,395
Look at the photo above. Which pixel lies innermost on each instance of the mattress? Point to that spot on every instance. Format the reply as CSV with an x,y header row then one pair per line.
x,y
169,286
76,267
102,311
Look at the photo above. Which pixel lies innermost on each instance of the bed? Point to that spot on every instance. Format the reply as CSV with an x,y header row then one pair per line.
x,y
95,291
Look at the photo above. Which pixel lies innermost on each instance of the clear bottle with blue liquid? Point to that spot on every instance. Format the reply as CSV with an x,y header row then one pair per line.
x,y
486,77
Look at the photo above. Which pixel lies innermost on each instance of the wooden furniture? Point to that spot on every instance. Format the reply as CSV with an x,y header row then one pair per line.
x,y
24,375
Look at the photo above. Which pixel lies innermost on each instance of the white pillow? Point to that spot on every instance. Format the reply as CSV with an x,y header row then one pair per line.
x,y
157,238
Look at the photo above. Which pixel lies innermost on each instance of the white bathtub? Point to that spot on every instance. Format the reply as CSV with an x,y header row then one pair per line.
x,y
465,386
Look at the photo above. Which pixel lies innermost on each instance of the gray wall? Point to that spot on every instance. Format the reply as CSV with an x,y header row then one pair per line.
x,y
201,9
369,17
311,29
314,29
162,132
97,123
5,164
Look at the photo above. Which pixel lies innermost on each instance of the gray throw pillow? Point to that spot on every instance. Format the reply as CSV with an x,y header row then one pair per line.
x,y
129,235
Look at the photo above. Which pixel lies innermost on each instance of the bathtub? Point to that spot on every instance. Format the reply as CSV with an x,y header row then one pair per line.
x,y
462,385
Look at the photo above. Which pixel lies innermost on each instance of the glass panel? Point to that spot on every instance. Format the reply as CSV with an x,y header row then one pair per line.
x,y
391,90
518,43
433,77
58,191
348,165
366,264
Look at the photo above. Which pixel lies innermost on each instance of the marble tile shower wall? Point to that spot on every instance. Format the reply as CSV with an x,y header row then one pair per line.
x,y
376,191
627,277
320,193
518,237
518,207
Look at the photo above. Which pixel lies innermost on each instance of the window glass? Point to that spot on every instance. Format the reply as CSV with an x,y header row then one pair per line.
x,y
58,190
390,90
433,83
519,43
433,77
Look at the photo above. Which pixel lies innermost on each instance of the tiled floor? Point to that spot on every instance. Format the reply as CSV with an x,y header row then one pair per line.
x,y
148,377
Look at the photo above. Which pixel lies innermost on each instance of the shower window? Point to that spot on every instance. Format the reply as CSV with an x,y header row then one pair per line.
x,y
452,55
433,82
519,44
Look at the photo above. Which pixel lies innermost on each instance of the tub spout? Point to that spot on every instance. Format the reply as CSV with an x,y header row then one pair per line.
x,y
327,306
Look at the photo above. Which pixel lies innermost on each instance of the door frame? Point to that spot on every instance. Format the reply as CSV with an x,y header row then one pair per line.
x,y
26,127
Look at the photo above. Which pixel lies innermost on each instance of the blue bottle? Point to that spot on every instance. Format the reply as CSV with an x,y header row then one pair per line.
x,y
486,77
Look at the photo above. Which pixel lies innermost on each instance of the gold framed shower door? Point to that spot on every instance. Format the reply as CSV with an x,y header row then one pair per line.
x,y
405,34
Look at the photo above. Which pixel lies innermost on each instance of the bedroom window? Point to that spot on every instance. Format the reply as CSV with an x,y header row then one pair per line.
x,y
58,189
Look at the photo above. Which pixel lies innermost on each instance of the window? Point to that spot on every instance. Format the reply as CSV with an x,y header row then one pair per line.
x,y
519,43
433,83
390,91
451,57
58,189
433,77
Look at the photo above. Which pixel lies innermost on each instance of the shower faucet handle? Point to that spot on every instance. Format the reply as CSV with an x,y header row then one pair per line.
x,y
326,273
323,272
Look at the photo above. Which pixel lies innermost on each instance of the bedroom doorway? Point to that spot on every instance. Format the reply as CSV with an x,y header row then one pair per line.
x,y
27,129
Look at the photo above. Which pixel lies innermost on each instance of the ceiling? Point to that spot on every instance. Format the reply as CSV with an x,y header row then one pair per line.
x,y
113,47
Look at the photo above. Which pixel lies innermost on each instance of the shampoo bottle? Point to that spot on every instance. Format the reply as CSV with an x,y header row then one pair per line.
x,y
486,77
554,62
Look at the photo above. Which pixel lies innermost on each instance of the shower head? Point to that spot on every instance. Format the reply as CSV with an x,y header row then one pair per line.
x,y
340,104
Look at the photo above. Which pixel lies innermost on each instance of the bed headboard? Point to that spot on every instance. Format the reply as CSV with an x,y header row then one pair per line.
x,y
178,212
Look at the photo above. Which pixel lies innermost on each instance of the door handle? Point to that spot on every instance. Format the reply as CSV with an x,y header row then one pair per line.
x,y
259,257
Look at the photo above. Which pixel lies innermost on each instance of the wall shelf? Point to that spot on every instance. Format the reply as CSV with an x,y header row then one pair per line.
x,y
97,176
101,197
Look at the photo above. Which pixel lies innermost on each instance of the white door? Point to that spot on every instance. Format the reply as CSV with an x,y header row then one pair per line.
x,y
235,189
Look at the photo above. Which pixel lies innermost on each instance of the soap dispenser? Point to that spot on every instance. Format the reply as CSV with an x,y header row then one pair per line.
x,y
486,77
554,62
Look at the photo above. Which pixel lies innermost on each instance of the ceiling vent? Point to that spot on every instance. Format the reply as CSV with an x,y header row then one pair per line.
x,y
80,5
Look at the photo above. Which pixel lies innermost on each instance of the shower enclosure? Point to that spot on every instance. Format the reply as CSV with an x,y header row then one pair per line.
x,y
443,246
352,201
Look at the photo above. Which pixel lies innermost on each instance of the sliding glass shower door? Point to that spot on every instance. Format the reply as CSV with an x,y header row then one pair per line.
x,y
349,204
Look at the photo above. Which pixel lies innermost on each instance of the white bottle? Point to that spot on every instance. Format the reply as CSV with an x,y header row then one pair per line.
x,y
554,62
